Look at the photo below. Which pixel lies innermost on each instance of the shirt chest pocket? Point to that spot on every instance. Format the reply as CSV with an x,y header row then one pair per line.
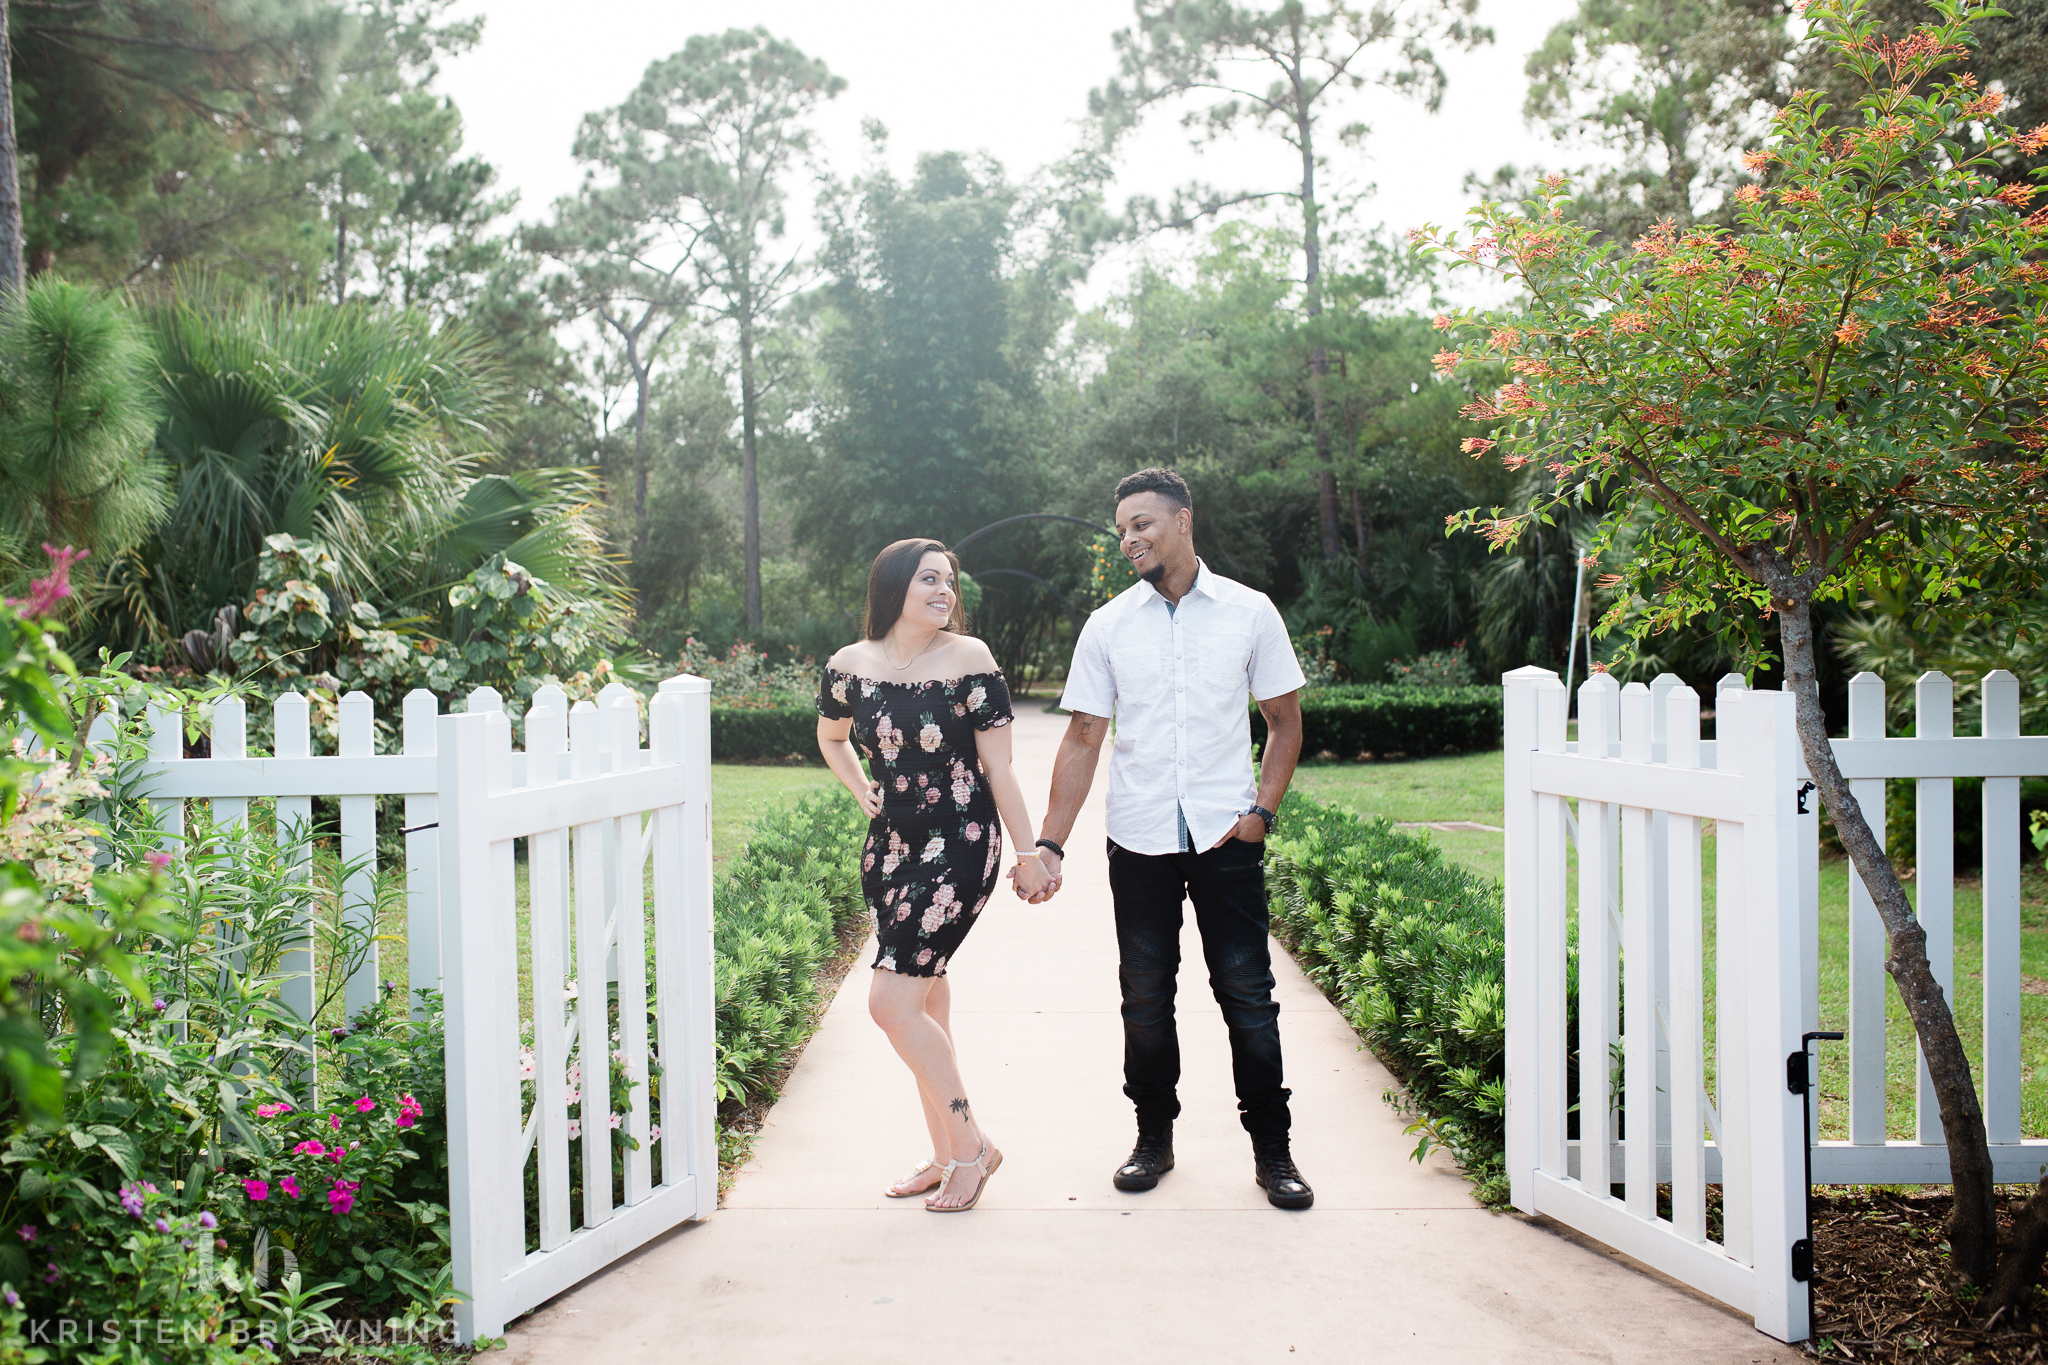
x,y
1226,657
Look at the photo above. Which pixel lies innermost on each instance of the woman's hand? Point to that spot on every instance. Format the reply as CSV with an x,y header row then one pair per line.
x,y
870,798
1033,882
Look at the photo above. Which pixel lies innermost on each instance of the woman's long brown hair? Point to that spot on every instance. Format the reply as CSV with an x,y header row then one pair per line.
x,y
889,583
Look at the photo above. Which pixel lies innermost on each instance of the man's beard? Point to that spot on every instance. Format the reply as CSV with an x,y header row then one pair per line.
x,y
1155,574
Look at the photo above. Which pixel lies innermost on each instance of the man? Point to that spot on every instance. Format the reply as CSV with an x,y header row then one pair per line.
x,y
1171,659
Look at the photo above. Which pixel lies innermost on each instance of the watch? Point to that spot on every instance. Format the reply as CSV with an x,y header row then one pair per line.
x,y
1268,816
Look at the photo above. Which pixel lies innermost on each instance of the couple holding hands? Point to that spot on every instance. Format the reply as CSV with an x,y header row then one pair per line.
x,y
1170,660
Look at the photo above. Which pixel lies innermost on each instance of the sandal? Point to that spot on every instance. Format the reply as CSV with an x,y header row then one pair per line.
x,y
990,1162
896,1191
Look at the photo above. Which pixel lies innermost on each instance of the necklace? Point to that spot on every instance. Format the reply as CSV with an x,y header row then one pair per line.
x,y
913,658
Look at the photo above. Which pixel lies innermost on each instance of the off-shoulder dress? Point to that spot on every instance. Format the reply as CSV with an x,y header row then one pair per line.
x,y
934,852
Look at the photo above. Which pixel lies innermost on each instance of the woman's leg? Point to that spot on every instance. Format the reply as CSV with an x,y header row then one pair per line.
x,y
938,1003
902,1006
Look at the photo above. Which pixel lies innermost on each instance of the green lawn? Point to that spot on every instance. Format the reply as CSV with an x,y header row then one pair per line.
x,y
1468,787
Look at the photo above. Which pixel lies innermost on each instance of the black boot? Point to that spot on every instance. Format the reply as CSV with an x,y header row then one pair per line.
x,y
1150,1159
1273,1168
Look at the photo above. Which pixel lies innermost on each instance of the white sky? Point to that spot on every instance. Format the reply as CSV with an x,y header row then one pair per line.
x,y
947,75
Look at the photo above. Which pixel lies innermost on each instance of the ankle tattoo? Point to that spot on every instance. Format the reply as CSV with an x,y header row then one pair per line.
x,y
960,1107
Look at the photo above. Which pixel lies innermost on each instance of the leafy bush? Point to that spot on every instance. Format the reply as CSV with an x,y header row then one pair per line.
x,y
1438,668
1410,948
779,909
1387,720
772,734
746,677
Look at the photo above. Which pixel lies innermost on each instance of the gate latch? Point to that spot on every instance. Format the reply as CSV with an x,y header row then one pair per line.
x,y
1802,1259
1805,789
1796,1072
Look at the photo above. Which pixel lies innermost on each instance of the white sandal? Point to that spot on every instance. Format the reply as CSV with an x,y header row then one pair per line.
x,y
896,1192
990,1162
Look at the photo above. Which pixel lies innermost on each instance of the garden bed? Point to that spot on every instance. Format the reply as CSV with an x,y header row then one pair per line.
x,y
1885,1289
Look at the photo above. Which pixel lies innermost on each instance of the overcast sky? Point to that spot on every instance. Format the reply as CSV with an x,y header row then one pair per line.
x,y
944,75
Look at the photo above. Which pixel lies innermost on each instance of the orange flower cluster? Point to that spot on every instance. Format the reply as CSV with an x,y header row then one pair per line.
x,y
1800,197
1897,237
1534,366
2017,196
1852,331
1663,414
1475,446
1516,397
1442,322
1632,320
2034,141
1479,410
1749,194
1500,532
1660,240
1985,105
1756,163
1444,361
1504,339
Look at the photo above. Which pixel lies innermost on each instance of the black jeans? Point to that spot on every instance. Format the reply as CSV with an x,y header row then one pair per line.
x,y
1228,887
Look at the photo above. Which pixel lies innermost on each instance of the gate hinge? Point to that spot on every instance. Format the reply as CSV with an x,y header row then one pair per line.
x,y
1802,1259
1805,789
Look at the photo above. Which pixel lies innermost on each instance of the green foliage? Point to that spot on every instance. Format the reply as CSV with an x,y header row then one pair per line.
x,y
76,412
1410,948
1848,390
1387,719
747,678
1438,668
780,907
752,734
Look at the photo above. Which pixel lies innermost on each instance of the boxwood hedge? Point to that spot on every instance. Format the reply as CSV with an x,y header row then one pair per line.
x,y
1347,722
1410,948
775,734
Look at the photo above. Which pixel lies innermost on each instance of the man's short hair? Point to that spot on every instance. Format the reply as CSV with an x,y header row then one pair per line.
x,y
1164,482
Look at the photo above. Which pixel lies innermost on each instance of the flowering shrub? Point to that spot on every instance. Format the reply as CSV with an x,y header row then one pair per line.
x,y
746,677
1438,668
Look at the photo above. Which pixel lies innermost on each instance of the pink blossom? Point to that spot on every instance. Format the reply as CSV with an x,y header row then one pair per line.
x,y
310,1147
342,1197
654,1133
269,1111
257,1190
158,859
613,1120
45,593
290,1185
575,1129
365,1104
334,1122
28,1232
973,831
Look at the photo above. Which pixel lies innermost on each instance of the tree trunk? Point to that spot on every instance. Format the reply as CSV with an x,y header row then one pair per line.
x,y
1358,528
642,376
1312,308
11,279
1973,1224
749,474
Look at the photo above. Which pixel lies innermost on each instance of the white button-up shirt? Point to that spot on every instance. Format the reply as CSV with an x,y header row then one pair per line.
x,y
1175,681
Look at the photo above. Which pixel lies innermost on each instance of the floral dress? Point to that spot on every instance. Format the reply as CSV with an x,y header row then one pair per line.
x,y
932,855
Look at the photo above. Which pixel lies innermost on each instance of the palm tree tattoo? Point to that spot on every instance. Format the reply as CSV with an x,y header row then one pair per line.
x,y
960,1107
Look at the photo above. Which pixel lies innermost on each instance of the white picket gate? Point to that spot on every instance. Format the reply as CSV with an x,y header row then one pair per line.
x,y
1644,782
597,812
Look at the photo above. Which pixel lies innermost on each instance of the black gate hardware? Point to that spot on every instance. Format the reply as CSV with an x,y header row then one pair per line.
x,y
1799,1080
1805,788
415,829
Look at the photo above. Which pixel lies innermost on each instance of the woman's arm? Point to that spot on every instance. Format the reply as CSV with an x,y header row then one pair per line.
x,y
834,744
993,748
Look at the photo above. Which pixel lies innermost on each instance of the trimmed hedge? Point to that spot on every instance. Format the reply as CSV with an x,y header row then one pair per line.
x,y
776,916
1388,720
1410,949
744,734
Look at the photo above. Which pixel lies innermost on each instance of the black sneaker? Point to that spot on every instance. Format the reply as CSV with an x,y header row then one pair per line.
x,y
1150,1159
1273,1168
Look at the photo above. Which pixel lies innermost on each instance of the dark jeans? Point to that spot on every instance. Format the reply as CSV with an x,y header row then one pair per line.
x,y
1228,887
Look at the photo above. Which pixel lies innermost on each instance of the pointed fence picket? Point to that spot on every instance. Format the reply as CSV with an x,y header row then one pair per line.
x,y
1645,784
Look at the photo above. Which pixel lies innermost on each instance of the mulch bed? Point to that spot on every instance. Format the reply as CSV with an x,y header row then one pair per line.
x,y
1884,1289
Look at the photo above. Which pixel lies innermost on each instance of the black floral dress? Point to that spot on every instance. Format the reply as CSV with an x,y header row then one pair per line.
x,y
933,853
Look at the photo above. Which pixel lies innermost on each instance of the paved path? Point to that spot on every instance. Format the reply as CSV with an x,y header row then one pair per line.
x,y
808,1262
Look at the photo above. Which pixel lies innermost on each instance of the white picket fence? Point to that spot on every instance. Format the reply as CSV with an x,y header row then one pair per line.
x,y
1644,782
598,814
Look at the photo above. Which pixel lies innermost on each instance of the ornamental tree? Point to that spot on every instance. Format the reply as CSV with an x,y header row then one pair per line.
x,y
1845,389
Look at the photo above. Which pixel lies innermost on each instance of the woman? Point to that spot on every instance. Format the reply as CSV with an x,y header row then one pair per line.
x,y
931,713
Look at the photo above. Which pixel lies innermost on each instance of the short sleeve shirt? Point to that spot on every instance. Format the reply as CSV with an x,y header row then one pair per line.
x,y
1176,683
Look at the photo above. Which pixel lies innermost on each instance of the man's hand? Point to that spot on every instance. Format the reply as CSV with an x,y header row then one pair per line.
x,y
1250,828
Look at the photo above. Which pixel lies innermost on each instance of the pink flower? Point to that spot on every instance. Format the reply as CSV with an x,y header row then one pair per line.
x,y
45,593
270,1111
257,1190
575,1095
924,955
613,1120
334,1122
973,831
575,1129
310,1147
290,1185
335,1154
157,859
409,1111
342,1197
365,1104
28,1232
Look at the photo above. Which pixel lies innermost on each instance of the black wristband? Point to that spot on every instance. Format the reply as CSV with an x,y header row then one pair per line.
x,y
1057,851
1268,816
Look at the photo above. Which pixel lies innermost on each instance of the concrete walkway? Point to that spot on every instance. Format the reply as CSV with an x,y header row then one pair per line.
x,y
808,1262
